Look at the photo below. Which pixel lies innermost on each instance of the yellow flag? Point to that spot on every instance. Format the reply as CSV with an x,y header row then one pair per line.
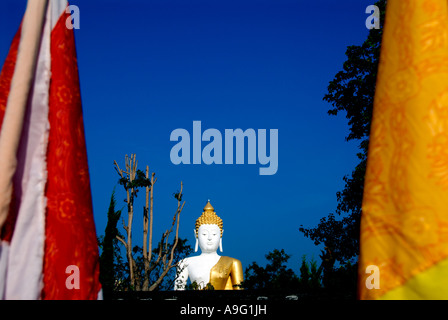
x,y
404,224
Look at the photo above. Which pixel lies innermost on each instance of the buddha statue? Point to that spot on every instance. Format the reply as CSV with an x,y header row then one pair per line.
x,y
223,273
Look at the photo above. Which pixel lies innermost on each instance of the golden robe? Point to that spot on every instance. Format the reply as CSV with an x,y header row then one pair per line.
x,y
227,274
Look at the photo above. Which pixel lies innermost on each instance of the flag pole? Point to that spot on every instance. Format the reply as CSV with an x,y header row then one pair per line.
x,y
21,82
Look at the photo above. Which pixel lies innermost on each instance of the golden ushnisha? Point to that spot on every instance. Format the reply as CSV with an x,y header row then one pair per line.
x,y
208,216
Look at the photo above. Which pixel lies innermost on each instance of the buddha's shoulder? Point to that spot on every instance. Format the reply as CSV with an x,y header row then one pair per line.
x,y
231,260
190,260
187,260
197,259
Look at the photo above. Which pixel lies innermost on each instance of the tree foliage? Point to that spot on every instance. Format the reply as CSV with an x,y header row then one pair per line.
x,y
181,251
147,268
274,276
310,275
352,90
314,281
110,268
114,270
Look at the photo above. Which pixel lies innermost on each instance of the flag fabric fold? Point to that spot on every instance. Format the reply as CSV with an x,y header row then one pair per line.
x,y
48,246
404,223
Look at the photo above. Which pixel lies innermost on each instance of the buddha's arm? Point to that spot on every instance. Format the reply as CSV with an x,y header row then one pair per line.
x,y
181,276
237,274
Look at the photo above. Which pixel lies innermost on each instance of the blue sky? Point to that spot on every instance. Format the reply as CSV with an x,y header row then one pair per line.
x,y
150,67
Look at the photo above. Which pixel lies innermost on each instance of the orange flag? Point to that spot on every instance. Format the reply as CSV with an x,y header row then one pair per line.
x,y
404,224
48,247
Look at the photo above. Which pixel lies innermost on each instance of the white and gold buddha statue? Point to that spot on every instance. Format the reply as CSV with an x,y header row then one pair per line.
x,y
223,273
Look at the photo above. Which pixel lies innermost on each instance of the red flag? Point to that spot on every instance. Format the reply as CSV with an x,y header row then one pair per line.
x,y
49,247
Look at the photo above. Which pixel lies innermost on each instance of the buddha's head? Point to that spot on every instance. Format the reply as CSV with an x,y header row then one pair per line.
x,y
208,231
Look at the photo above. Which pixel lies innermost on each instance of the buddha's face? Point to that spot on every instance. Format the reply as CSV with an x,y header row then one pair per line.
x,y
209,236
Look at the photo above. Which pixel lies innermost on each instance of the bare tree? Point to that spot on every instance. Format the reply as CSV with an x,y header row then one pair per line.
x,y
132,179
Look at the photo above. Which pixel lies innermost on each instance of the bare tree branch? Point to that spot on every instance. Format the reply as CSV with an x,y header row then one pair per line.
x,y
140,274
122,241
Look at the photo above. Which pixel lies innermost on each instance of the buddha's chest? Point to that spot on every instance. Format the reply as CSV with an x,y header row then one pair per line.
x,y
199,271
220,271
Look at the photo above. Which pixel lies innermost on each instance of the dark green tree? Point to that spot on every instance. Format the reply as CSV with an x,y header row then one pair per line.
x,y
310,276
275,276
352,90
109,264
